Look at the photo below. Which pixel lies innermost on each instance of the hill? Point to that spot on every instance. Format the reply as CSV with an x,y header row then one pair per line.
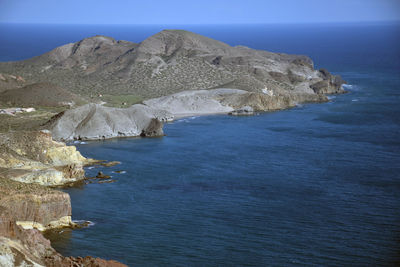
x,y
39,94
168,62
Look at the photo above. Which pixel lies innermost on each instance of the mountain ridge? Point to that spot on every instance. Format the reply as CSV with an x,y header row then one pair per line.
x,y
169,62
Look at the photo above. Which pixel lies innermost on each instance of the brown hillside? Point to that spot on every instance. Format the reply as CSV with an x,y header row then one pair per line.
x,y
39,94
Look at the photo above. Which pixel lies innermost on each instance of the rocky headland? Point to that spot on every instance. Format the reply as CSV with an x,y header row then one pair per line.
x,y
174,73
33,157
30,162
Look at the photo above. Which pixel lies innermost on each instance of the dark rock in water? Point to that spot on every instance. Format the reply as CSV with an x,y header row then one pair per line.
x,y
330,84
101,175
243,111
81,224
107,181
110,164
153,129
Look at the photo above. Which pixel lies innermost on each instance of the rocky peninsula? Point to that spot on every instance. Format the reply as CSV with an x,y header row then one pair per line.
x,y
169,75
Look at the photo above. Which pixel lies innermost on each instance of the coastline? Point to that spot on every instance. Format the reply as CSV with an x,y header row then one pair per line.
x,y
66,220
267,82
30,204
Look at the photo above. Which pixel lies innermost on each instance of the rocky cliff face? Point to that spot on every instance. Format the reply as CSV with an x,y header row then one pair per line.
x,y
32,207
27,208
98,122
200,102
90,122
33,157
169,62
24,210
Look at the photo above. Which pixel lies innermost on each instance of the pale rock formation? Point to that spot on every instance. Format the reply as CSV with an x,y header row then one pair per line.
x,y
196,102
33,157
91,122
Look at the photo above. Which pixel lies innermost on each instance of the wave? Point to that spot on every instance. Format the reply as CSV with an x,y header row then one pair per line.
x,y
183,120
120,172
351,87
77,142
299,105
187,119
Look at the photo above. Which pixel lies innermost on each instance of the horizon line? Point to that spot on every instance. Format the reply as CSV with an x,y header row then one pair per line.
x,y
205,24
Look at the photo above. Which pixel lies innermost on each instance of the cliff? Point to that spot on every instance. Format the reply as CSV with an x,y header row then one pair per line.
x,y
33,157
98,122
24,210
93,121
29,160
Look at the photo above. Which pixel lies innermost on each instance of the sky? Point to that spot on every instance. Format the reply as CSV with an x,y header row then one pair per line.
x,y
197,12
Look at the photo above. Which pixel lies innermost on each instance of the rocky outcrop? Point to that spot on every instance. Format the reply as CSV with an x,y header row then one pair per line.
x,y
330,84
27,208
91,121
32,249
32,207
33,157
200,102
169,62
243,111
25,211
196,102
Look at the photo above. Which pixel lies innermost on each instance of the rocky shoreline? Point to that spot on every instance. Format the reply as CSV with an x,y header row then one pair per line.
x,y
97,122
176,74
30,162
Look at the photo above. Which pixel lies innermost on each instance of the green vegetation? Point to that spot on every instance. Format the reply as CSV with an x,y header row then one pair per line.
x,y
121,101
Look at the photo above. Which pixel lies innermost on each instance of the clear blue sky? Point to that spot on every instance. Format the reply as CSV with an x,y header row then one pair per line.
x,y
197,12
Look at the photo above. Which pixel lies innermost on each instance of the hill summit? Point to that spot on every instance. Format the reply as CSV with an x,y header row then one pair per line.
x,y
169,62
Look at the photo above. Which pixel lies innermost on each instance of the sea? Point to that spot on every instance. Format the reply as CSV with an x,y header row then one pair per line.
x,y
315,185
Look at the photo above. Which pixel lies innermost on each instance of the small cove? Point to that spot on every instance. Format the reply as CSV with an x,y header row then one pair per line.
x,y
289,187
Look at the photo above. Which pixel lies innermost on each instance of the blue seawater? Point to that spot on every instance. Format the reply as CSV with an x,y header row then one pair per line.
x,y
316,185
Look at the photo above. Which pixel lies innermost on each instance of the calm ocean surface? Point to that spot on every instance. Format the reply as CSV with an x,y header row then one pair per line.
x,y
315,185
